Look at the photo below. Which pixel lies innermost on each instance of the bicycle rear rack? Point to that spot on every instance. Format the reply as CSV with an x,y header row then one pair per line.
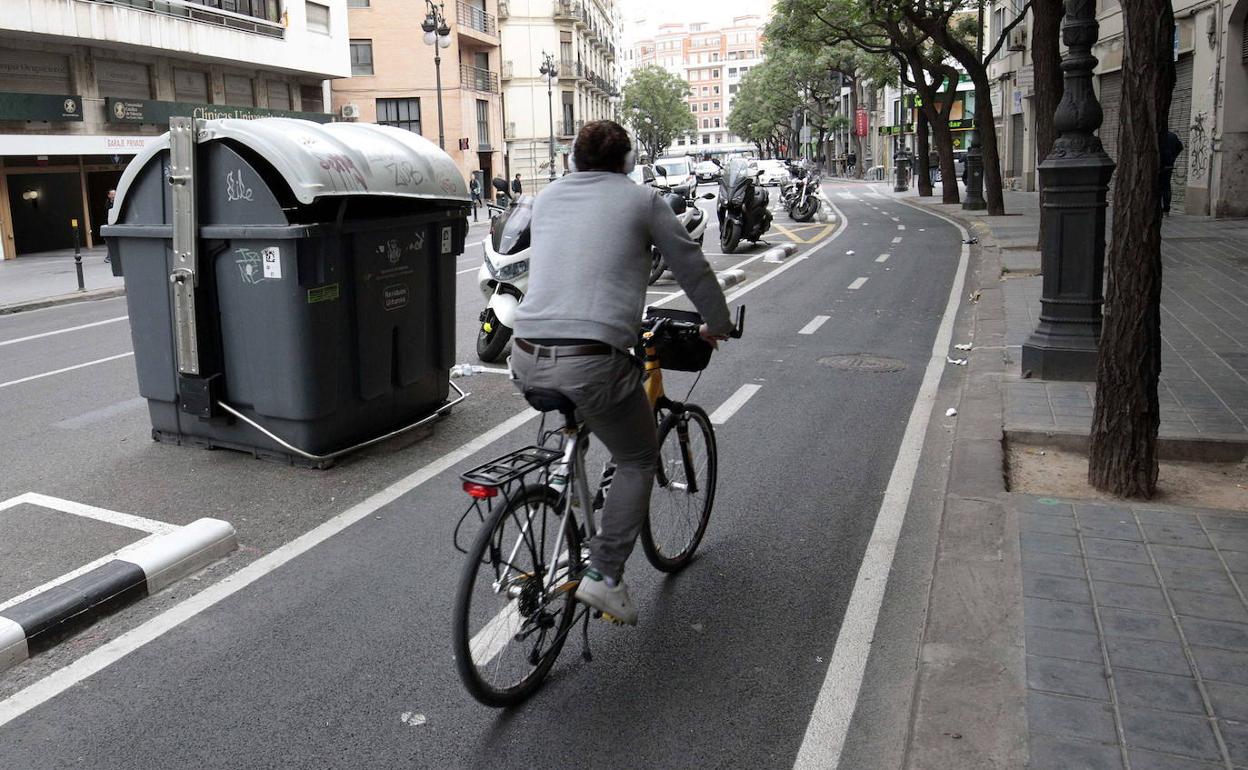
x,y
502,475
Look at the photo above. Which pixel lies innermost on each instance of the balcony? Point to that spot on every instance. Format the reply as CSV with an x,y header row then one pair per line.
x,y
474,18
567,10
569,127
610,52
569,69
478,79
242,15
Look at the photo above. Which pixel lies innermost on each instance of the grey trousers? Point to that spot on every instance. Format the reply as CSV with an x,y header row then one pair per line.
x,y
608,396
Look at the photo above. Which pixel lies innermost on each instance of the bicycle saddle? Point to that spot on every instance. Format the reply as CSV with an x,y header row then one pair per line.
x,y
546,400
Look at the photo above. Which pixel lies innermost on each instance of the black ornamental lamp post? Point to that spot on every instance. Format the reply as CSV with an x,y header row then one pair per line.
x,y
550,73
901,160
975,154
437,34
1075,179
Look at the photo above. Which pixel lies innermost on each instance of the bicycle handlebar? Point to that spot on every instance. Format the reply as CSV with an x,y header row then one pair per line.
x,y
676,326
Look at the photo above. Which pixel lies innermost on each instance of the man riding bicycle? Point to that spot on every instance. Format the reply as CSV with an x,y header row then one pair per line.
x,y
591,235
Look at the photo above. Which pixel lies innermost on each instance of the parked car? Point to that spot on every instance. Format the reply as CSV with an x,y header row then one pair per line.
x,y
708,171
643,174
774,172
677,173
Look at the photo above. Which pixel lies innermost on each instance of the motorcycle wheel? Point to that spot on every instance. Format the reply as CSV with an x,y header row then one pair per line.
x,y
729,236
804,212
491,344
657,265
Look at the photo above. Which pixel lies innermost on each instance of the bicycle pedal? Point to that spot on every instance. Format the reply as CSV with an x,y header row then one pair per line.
x,y
613,620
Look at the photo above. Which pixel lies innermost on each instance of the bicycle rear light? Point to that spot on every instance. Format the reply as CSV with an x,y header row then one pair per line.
x,y
480,491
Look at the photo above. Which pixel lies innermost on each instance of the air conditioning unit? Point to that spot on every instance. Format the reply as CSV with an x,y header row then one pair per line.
x,y
1018,39
350,111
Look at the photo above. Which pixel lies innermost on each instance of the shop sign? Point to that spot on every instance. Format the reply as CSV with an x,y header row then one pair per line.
x,y
861,127
151,111
966,124
51,107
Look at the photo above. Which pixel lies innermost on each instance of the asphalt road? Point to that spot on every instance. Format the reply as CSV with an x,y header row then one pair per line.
x,y
328,659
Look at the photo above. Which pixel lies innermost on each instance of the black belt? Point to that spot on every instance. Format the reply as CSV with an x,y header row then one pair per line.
x,y
551,351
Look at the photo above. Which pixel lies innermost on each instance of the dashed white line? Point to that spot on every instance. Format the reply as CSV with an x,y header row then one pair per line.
x,y
895,219
858,282
814,324
66,369
64,331
469,270
901,227
734,402
883,258
897,239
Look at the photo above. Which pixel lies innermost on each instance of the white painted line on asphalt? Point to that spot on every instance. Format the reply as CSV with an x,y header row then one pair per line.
x,y
858,282
897,239
469,270
814,324
66,369
734,402
844,223
654,291
61,680
92,303
495,635
128,520
901,227
847,196
895,219
883,258
829,722
64,331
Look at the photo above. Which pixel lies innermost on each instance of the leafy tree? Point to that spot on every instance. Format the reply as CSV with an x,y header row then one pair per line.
x,y
654,107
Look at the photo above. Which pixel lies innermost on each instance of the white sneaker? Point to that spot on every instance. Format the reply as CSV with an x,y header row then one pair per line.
x,y
610,601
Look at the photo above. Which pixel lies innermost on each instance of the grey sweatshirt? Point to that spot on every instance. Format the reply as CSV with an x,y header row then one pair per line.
x,y
590,260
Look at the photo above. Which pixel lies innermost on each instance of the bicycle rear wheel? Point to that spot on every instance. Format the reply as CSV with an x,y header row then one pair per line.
x,y
508,627
684,489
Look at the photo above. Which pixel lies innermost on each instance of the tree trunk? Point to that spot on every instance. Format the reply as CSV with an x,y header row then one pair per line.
x,y
1122,457
948,167
859,160
985,127
922,149
1046,58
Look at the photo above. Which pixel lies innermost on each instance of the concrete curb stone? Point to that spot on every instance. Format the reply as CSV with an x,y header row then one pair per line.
x,y
63,299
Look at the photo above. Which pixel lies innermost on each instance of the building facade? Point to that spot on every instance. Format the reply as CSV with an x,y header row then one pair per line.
x,y
394,79
713,60
85,84
582,38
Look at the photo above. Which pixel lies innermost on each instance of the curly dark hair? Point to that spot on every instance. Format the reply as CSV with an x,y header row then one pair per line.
x,y
601,145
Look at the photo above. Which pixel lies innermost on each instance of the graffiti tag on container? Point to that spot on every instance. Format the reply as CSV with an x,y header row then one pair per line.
x,y
394,296
342,168
405,174
235,188
251,267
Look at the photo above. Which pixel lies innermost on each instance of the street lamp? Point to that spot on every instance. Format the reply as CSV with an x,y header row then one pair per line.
x,y
899,161
975,153
438,35
550,74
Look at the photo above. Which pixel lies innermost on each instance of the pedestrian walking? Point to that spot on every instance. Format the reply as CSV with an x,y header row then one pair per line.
x,y
516,189
1170,147
474,189
112,197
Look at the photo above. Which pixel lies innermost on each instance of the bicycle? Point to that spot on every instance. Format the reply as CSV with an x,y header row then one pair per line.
x,y
515,604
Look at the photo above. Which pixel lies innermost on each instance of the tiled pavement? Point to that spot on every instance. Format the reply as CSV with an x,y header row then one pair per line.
x,y
1136,635
40,276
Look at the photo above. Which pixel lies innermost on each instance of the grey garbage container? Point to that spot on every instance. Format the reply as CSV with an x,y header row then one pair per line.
x,y
318,263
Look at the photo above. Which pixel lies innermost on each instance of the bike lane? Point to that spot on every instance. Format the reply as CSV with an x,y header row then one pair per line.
x,y
341,657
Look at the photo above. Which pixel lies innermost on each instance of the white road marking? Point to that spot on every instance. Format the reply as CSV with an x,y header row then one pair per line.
x,y
897,239
66,369
469,270
848,196
64,331
128,520
858,282
814,324
734,403
829,722
494,636
901,227
57,682
883,258
895,219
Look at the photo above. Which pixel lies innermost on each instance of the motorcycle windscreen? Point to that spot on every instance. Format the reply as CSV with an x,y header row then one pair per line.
x,y
513,226
736,181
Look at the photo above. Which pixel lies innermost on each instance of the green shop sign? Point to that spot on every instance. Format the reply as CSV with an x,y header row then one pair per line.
x,y
954,125
57,107
151,111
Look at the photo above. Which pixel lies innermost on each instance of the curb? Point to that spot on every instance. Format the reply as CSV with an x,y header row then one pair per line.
x,y
1213,449
779,253
63,299
43,620
730,278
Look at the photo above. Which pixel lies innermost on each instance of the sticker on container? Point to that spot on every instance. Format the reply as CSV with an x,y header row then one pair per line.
x,y
272,257
394,296
446,240
327,293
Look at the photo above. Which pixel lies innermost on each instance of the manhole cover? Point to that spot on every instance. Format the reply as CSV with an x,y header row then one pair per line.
x,y
862,362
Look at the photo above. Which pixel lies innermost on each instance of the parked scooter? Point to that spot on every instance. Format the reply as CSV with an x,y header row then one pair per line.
x,y
689,215
504,275
801,195
743,211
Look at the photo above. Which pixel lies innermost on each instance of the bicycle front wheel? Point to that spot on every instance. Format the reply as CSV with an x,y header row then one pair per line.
x,y
684,489
511,616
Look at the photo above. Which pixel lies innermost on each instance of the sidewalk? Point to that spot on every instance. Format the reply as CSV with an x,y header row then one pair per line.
x,y
1090,634
50,278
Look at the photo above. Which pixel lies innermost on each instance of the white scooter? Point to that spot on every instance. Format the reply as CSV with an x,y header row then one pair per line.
x,y
503,277
693,219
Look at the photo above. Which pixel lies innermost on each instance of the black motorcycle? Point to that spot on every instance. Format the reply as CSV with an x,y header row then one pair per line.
x,y
799,193
743,211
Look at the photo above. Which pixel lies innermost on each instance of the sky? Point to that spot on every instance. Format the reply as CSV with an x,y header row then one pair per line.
x,y
714,12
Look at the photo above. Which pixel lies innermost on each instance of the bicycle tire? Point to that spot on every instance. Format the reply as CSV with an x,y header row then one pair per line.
x,y
668,554
464,638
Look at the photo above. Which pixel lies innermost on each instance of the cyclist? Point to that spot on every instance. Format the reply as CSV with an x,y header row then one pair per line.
x,y
590,258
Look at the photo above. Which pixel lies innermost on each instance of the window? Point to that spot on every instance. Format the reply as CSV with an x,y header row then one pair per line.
x,y
318,18
715,73
357,3
361,57
732,89
400,113
311,99
719,139
744,70
706,107
693,108
680,142
706,139
715,90
705,90
125,80
732,71
716,122
483,123
279,95
239,91
706,123
715,106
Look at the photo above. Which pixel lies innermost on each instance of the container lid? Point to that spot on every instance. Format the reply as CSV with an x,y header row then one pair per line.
x,y
328,159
